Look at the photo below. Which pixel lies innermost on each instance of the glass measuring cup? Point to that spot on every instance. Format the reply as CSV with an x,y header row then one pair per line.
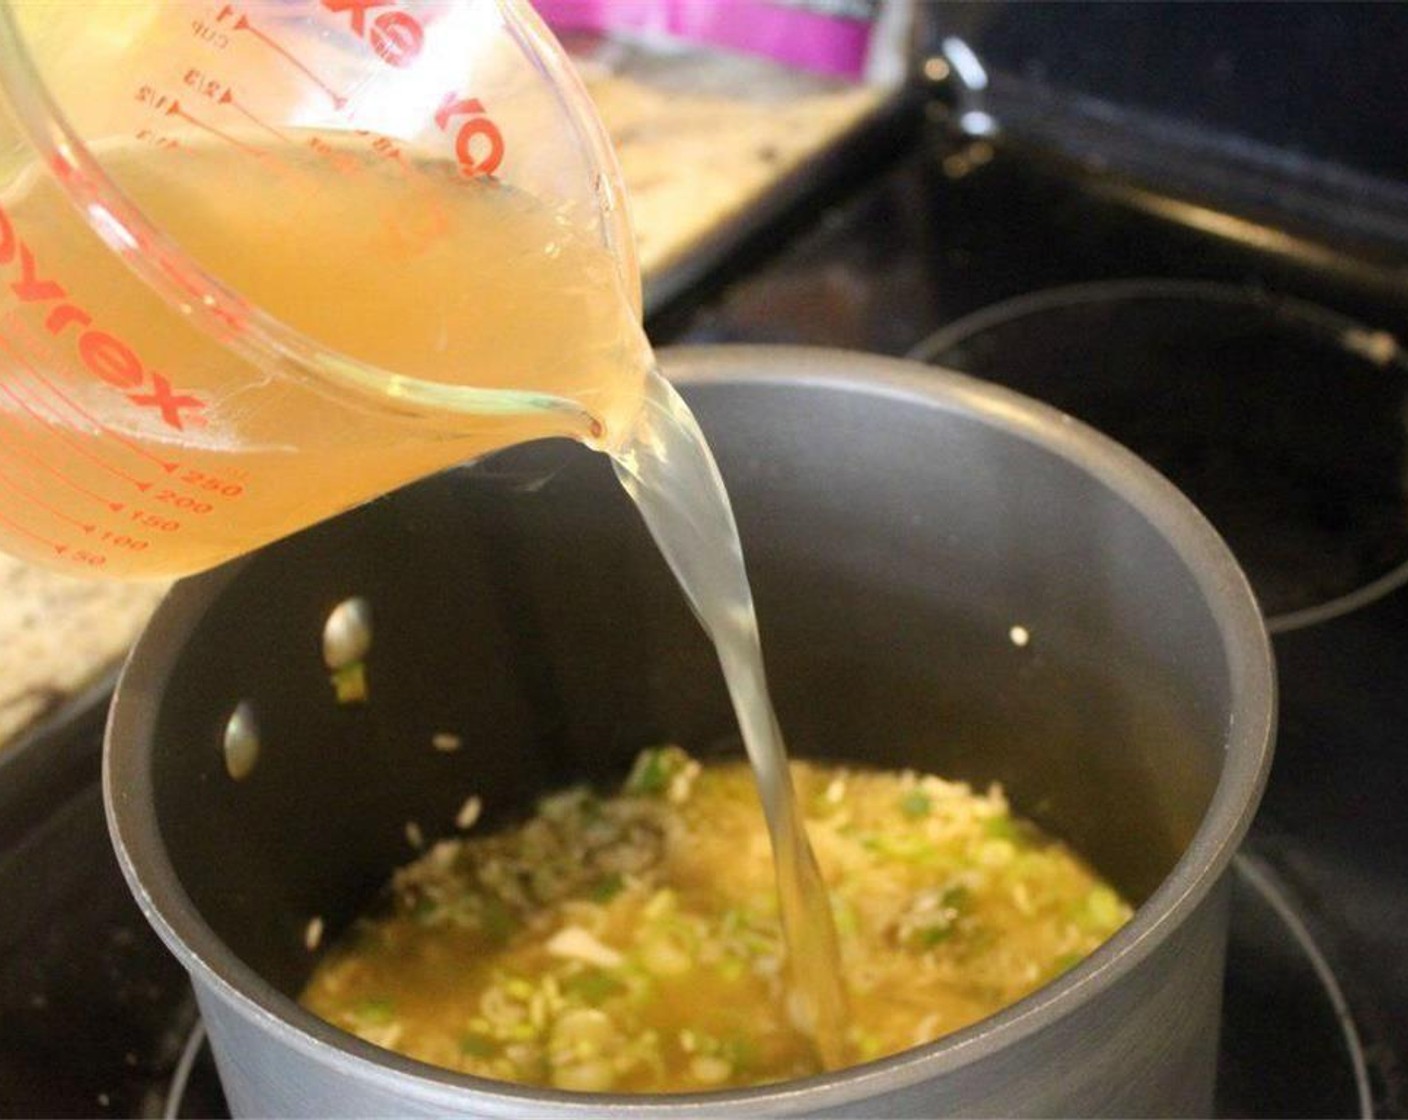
x,y
262,261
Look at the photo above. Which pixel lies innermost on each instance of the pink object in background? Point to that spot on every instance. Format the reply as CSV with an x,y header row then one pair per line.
x,y
787,31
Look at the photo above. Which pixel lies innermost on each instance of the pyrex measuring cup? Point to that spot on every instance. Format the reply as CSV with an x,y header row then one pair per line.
x,y
261,261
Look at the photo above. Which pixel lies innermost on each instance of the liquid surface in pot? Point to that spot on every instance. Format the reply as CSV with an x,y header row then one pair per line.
x,y
633,942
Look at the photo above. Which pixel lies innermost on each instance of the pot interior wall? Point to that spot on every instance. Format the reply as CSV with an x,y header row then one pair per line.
x,y
893,544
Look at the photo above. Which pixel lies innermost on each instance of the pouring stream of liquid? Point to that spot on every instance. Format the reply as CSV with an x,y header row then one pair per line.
x,y
670,474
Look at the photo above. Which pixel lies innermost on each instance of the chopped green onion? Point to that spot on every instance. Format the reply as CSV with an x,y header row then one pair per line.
x,y
1101,909
654,769
933,935
350,683
593,986
375,1012
608,888
732,969
910,849
476,1045
497,920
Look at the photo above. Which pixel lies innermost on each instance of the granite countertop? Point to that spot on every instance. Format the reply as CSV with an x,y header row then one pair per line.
x,y
58,633
667,116
699,135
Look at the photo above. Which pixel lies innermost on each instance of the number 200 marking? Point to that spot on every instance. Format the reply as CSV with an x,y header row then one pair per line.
x,y
183,501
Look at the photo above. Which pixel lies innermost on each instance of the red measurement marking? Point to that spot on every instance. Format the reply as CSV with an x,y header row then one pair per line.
x,y
344,161
228,98
32,535
243,24
148,96
395,35
77,445
10,449
175,110
147,136
477,132
86,526
35,350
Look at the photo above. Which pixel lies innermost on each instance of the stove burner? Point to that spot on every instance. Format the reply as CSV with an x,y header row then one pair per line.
x,y
1281,1003
1286,423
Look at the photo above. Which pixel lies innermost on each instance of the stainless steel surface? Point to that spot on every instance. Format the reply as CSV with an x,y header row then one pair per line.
x,y
898,524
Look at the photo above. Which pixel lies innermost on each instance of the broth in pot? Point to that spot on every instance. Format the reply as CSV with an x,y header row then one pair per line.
x,y
632,942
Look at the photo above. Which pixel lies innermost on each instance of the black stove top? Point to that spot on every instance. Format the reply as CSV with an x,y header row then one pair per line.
x,y
1259,371
1225,390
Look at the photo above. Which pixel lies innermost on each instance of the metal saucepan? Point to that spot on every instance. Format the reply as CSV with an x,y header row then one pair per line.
x,y
898,523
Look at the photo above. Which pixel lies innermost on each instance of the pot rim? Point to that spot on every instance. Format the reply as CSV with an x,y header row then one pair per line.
x,y
128,789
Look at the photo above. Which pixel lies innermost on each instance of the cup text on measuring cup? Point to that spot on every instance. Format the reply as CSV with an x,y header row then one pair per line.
x,y
103,354
477,126
397,38
395,35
